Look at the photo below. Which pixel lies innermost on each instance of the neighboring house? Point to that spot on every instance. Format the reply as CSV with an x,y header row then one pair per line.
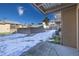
x,y
51,24
9,26
55,24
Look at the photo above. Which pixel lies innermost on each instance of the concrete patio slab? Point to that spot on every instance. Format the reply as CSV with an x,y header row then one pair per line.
x,y
50,49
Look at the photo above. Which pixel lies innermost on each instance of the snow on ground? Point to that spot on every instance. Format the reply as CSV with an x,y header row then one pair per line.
x,y
12,36
16,47
44,36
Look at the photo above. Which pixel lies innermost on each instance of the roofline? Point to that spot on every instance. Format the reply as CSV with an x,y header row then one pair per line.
x,y
58,8
11,23
61,8
38,8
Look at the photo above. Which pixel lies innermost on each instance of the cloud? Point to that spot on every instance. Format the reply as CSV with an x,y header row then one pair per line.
x,y
20,10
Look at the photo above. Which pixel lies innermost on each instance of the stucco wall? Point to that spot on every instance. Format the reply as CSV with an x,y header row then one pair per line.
x,y
4,28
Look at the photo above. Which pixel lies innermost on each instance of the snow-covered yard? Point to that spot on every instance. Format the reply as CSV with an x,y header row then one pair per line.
x,y
16,44
12,36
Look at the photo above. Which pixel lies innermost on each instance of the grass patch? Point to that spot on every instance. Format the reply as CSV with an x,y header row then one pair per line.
x,y
5,33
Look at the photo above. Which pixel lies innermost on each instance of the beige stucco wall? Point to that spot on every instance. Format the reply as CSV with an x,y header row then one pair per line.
x,y
7,28
4,28
13,28
69,26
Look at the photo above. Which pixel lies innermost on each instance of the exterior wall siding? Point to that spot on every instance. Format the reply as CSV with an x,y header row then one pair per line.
x,y
69,26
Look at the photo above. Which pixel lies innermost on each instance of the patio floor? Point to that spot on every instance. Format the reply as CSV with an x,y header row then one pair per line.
x,y
50,49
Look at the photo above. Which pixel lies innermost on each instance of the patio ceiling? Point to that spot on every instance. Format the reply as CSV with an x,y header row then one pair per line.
x,y
51,7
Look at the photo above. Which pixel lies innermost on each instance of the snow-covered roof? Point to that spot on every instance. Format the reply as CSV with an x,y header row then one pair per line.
x,y
9,22
36,25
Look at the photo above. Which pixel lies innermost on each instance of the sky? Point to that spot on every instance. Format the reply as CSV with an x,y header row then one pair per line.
x,y
23,13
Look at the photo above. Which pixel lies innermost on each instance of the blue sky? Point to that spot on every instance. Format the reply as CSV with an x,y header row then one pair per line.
x,y
30,14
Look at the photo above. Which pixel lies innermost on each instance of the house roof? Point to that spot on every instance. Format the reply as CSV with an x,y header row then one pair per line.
x,y
9,22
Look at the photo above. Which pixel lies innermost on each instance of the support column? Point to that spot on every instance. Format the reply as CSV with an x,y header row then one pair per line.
x,y
69,17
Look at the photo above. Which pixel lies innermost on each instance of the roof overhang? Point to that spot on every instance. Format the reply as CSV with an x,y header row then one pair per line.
x,y
52,7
